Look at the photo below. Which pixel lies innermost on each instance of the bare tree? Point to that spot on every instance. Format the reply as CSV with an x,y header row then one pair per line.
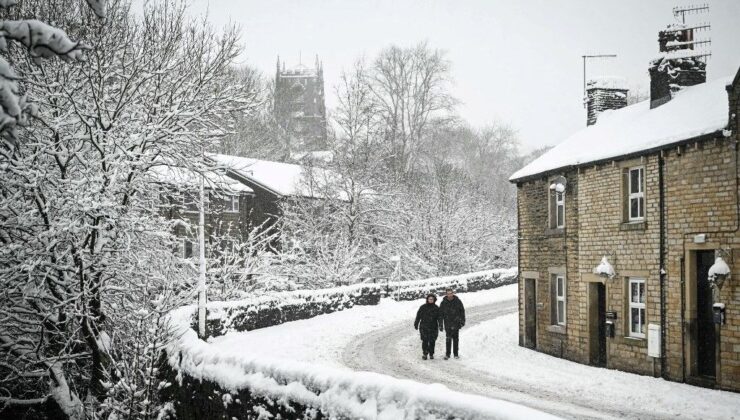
x,y
410,87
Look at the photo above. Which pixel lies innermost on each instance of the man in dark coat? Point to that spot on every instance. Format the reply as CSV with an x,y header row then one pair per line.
x,y
427,322
452,313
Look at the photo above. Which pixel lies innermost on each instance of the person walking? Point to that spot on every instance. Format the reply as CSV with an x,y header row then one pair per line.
x,y
427,322
452,313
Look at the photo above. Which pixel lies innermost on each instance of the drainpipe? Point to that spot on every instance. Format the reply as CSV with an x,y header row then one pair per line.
x,y
661,205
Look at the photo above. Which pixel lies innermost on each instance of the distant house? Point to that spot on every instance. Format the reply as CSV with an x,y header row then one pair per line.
x,y
242,194
629,243
227,205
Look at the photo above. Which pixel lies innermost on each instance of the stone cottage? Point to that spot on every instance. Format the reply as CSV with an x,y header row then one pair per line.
x,y
629,250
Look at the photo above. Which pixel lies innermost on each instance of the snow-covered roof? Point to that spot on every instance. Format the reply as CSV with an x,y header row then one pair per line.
x,y
695,111
181,177
285,179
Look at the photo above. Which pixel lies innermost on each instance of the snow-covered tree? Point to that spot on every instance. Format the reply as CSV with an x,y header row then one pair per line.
x,y
86,262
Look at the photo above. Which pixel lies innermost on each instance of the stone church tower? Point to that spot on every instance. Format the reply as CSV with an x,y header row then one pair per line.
x,y
299,106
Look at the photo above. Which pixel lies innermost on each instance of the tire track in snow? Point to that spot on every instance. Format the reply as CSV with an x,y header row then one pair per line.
x,y
383,351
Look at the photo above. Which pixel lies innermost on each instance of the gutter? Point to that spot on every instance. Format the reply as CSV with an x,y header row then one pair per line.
x,y
703,137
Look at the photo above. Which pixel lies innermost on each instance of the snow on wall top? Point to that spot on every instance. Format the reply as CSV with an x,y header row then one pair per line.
x,y
696,110
607,82
285,179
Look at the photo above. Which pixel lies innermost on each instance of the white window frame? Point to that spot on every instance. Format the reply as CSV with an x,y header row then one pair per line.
x,y
636,195
559,202
231,203
640,306
560,298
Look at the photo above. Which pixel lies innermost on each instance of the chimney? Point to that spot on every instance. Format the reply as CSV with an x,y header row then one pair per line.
x,y
604,93
679,66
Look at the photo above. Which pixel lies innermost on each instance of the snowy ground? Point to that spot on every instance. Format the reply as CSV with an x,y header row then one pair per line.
x,y
381,339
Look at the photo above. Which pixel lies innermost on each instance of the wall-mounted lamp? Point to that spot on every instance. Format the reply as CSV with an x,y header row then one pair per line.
x,y
604,269
558,184
719,272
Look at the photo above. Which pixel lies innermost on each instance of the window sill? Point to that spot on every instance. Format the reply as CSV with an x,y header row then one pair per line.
x,y
554,232
636,225
634,341
558,329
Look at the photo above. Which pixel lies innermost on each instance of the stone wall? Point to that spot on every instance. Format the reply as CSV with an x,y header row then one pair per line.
x,y
632,248
542,251
701,190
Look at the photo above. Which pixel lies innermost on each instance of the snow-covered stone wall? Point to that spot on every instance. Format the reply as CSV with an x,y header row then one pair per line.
x,y
277,308
201,382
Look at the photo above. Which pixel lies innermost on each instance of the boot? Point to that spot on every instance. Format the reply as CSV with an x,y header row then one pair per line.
x,y
424,357
431,357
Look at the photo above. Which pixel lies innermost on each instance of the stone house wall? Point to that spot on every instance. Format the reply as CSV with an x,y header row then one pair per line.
x,y
702,196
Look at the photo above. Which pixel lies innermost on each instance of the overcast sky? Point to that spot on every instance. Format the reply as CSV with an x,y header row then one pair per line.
x,y
514,62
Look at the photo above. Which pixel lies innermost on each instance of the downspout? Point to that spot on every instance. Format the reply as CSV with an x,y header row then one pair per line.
x,y
661,206
519,266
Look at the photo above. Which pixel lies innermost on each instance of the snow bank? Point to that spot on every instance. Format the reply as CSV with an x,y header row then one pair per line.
x,y
209,380
697,110
308,390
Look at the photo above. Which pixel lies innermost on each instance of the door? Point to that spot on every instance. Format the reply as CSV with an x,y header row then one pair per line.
x,y
530,313
601,297
706,340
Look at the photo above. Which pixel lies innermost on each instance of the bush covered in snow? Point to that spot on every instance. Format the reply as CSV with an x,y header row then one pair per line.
x,y
277,308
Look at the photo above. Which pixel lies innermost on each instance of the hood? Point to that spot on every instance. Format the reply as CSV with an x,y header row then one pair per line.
x,y
432,295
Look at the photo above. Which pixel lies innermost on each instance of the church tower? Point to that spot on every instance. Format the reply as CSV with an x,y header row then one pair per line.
x,y
299,106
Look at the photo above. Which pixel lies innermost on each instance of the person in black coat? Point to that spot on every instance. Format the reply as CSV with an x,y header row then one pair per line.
x,y
427,322
452,312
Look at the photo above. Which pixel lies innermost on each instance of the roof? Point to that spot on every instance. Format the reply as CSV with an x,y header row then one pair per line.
x,y
177,176
695,111
285,179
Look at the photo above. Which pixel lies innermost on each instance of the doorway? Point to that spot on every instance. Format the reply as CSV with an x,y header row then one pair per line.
x,y
706,340
530,313
597,324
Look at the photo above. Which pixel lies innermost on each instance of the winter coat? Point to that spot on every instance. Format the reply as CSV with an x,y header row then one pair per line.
x,y
428,321
452,313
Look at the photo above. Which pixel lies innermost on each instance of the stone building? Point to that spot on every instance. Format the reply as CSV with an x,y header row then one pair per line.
x,y
299,106
629,250
241,194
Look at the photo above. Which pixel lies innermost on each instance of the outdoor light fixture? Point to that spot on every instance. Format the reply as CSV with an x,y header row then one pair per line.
x,y
558,184
719,272
604,269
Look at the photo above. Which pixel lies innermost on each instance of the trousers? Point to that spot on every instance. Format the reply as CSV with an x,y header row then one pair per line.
x,y
452,341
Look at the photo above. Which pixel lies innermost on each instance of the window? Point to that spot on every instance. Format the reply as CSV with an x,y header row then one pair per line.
x,y
558,299
190,248
556,194
636,194
637,307
231,204
559,209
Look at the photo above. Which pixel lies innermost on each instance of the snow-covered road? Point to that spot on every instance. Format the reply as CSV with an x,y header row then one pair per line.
x,y
381,339
391,352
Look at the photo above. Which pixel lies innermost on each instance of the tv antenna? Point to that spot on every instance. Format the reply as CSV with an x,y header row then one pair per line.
x,y
587,57
693,9
683,37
